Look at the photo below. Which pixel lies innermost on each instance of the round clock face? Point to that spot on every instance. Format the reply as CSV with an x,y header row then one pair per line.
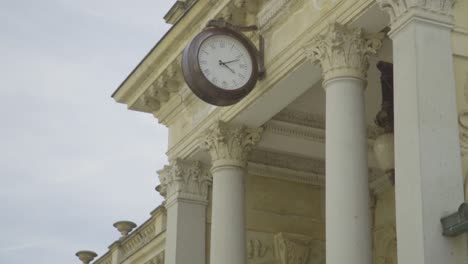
x,y
220,66
225,62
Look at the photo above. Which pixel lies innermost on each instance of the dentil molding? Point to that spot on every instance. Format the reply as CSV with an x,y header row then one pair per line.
x,y
230,144
187,180
343,51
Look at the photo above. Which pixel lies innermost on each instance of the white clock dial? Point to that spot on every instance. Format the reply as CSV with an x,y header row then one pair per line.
x,y
225,62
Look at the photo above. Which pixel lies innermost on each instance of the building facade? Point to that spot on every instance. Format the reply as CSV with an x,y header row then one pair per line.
x,y
300,171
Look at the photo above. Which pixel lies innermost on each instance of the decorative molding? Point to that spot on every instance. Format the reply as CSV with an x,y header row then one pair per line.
x,y
271,171
307,125
293,130
287,161
299,249
177,10
463,127
385,245
287,167
184,180
158,259
301,118
230,144
270,13
260,248
465,87
402,10
161,90
106,259
138,239
343,51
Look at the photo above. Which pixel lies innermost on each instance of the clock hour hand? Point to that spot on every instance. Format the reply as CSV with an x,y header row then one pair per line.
x,y
224,64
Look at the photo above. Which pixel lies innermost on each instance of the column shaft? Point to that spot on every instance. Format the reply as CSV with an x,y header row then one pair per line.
x,y
343,54
428,180
185,186
348,238
228,244
229,147
185,233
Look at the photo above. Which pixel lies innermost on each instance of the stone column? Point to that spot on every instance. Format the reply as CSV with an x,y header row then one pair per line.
x,y
343,54
229,147
428,175
184,184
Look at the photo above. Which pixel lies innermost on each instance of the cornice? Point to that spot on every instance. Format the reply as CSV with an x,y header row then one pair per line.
x,y
274,10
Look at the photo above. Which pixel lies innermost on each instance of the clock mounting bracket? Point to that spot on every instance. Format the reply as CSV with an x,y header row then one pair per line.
x,y
260,52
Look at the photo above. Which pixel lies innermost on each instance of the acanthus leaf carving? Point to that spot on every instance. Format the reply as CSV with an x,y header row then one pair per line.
x,y
230,143
342,51
185,180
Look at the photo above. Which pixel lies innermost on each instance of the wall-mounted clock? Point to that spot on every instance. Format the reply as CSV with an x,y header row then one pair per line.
x,y
220,65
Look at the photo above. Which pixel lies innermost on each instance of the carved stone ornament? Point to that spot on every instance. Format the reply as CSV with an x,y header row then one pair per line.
x,y
385,245
298,249
343,52
230,145
400,9
184,180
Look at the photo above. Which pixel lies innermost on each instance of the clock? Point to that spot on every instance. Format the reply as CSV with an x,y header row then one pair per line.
x,y
220,66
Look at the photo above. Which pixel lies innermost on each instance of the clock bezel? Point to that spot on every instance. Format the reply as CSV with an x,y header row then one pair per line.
x,y
197,81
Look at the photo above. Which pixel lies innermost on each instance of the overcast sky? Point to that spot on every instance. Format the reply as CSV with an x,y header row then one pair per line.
x,y
73,161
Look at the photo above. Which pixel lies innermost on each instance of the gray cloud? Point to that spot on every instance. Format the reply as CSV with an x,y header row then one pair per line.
x,y
73,161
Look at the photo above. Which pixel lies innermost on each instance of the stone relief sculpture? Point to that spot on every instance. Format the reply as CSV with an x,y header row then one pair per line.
x,y
385,249
299,249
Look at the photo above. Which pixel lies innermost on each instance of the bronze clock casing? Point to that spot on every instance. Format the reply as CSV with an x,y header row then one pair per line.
x,y
200,85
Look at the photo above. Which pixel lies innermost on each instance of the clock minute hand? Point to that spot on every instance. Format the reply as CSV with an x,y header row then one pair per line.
x,y
224,64
230,61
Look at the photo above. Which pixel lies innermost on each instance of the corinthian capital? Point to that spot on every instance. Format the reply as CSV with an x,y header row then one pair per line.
x,y
230,144
400,10
342,51
185,180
